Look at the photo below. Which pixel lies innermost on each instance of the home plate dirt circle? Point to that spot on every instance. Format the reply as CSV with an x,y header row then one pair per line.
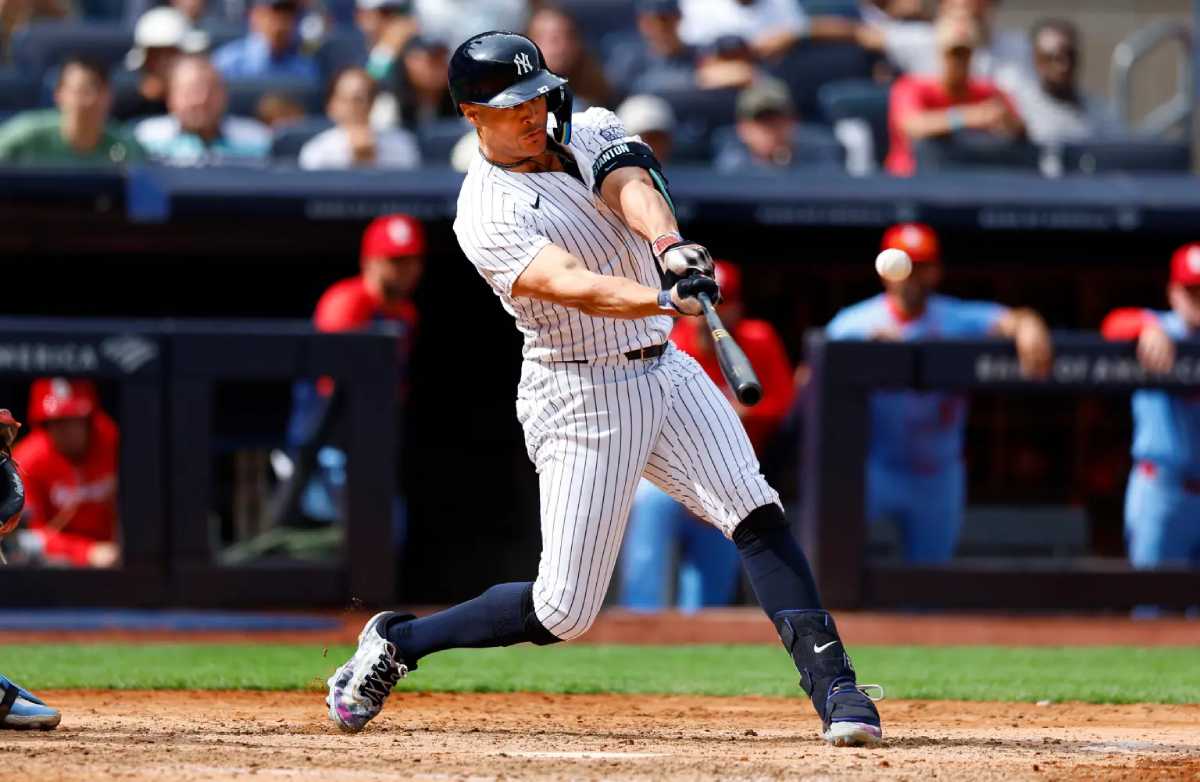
x,y
179,735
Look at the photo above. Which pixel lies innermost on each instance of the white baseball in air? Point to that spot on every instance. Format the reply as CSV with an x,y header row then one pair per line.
x,y
893,264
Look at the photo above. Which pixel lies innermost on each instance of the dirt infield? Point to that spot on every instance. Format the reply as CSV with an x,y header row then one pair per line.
x,y
266,736
747,625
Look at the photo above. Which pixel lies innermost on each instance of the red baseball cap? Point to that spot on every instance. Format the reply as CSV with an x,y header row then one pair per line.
x,y
917,239
6,418
392,236
52,398
1185,265
729,277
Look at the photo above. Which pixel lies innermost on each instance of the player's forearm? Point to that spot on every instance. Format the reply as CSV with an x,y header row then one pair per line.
x,y
774,44
610,297
640,205
558,277
1016,320
926,124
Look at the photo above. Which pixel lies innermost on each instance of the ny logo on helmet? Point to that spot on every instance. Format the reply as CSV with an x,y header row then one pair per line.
x,y
523,64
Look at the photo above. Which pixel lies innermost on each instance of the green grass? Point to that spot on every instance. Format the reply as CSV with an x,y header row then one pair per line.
x,y
1094,674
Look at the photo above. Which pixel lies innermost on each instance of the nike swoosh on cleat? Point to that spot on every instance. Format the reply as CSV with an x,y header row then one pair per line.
x,y
537,201
819,649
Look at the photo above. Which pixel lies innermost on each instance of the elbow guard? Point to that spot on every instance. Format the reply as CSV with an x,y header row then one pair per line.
x,y
637,155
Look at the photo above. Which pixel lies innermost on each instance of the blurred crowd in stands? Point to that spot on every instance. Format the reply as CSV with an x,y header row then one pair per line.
x,y
902,86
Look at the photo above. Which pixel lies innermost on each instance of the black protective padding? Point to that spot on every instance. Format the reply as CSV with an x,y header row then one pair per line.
x,y
626,154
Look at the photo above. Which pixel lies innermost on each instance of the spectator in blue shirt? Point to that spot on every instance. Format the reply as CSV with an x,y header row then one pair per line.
x,y
270,49
197,131
657,59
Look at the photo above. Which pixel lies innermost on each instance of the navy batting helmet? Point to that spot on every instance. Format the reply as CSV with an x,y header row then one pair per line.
x,y
503,70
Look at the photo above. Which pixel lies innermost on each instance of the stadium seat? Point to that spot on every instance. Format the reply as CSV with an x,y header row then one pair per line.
x,y
102,10
858,99
697,114
969,150
244,94
810,65
43,45
342,48
598,18
1142,155
845,8
813,145
437,140
288,140
17,91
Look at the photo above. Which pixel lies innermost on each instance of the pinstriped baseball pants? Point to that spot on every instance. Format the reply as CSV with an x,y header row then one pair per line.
x,y
593,431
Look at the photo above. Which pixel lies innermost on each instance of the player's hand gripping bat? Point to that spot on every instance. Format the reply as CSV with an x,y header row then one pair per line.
x,y
734,364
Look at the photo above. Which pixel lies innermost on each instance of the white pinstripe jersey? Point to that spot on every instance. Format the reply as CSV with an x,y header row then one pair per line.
x,y
505,219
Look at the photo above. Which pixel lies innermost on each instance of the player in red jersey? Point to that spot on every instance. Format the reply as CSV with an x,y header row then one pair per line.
x,y
393,258
392,261
69,463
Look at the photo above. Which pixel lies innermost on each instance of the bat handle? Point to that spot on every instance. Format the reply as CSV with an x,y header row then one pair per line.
x,y
710,312
734,365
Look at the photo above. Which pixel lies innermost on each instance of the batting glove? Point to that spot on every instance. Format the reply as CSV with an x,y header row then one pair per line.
x,y
683,295
680,258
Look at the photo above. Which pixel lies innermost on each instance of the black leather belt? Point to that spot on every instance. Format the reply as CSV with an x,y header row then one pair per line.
x,y
654,351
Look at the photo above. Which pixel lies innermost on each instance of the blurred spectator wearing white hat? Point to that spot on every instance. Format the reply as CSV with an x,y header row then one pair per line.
x,y
159,37
651,118
351,142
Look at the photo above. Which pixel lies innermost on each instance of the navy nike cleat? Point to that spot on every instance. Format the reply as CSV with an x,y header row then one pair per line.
x,y
848,715
850,718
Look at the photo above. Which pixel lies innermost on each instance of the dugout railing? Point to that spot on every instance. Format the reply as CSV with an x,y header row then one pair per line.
x,y
833,523
165,373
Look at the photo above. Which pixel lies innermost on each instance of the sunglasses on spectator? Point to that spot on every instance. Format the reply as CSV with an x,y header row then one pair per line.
x,y
1066,53
770,115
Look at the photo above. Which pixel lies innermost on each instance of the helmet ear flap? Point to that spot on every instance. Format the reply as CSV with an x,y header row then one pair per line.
x,y
560,102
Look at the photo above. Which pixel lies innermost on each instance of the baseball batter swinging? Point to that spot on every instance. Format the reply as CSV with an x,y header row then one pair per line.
x,y
570,222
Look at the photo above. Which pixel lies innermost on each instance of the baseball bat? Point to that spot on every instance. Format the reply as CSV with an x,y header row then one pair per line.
x,y
734,364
